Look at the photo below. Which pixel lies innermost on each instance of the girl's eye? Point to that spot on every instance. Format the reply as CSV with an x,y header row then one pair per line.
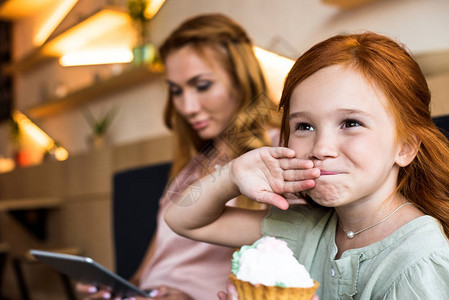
x,y
351,123
304,126
203,86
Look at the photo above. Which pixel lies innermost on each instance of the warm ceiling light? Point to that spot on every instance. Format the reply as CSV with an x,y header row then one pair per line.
x,y
103,28
32,131
275,68
61,154
152,8
53,21
96,57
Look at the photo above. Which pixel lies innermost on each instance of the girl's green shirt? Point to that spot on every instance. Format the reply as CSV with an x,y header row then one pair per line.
x,y
411,263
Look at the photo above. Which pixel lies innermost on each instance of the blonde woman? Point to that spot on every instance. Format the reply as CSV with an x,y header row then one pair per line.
x,y
218,108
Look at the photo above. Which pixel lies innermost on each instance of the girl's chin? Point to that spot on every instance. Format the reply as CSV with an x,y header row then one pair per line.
x,y
324,201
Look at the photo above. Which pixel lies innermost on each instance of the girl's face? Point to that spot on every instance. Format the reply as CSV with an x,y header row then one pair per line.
x,y
340,122
201,91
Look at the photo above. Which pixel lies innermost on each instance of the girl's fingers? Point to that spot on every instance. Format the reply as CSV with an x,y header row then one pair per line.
x,y
232,291
222,295
272,199
281,152
295,163
298,186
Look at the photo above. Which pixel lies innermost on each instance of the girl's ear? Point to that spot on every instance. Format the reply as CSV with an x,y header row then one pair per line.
x,y
408,151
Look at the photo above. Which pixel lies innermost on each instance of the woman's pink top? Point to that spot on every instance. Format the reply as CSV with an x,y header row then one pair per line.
x,y
198,269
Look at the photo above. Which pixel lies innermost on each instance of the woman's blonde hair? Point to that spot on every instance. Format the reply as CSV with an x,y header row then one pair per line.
x,y
382,61
219,38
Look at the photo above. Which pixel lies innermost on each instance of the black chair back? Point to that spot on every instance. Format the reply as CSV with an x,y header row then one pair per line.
x,y
136,195
442,122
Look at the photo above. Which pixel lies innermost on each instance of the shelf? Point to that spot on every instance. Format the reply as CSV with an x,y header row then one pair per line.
x,y
31,212
105,27
347,4
96,91
31,60
29,204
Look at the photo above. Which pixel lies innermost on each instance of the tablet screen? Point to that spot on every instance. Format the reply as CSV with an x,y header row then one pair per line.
x,y
86,270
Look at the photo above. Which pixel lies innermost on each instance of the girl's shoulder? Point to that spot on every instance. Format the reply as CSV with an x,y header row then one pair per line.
x,y
424,278
416,261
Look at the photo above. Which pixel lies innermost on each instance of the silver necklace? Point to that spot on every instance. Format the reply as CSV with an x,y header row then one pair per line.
x,y
352,234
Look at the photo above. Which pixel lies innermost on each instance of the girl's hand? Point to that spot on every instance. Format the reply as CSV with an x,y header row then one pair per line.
x,y
266,173
233,295
230,294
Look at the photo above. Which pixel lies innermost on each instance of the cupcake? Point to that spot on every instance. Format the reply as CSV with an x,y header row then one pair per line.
x,y
268,270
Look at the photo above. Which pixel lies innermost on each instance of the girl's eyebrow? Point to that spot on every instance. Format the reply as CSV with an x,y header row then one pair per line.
x,y
296,115
344,111
348,111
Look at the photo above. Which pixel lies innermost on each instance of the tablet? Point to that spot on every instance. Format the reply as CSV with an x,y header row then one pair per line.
x,y
86,270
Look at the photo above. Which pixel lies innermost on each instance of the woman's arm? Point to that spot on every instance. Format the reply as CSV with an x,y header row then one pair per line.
x,y
262,175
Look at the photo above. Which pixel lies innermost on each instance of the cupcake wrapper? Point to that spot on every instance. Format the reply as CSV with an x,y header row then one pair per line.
x,y
248,291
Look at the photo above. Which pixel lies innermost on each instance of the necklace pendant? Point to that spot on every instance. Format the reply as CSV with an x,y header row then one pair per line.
x,y
350,234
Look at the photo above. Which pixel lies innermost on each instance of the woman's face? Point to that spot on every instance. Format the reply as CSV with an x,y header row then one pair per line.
x,y
201,91
340,122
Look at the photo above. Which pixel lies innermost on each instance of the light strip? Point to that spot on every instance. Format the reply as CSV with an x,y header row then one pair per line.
x,y
281,62
18,9
95,29
53,21
96,57
29,128
38,135
275,68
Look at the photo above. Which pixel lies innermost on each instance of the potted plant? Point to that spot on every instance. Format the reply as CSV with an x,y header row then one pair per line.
x,y
99,126
144,51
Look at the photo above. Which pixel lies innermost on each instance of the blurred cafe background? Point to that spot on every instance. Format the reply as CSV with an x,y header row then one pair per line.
x,y
82,96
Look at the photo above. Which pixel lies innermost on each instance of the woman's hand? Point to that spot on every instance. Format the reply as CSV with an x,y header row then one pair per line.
x,y
266,173
169,293
90,292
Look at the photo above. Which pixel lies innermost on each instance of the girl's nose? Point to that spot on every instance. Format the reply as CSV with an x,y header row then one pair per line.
x,y
324,146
